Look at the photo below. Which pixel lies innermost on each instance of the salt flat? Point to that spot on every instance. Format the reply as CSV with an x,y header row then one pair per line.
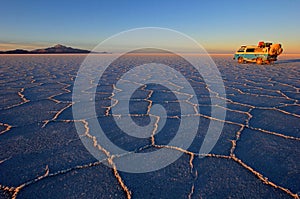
x,y
42,155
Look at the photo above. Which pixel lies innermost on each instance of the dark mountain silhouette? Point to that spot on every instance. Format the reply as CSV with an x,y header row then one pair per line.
x,y
57,49
17,51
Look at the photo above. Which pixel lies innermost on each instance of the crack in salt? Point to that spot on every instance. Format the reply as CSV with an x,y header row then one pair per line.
x,y
23,98
8,127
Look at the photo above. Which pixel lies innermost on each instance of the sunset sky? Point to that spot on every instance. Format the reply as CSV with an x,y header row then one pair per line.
x,y
220,26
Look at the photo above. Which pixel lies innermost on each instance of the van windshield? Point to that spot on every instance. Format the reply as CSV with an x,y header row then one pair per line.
x,y
242,49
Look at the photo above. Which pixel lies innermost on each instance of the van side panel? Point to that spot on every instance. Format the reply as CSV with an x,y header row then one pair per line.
x,y
251,56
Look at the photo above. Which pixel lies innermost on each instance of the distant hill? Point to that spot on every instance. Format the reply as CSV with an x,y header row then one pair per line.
x,y
17,51
57,49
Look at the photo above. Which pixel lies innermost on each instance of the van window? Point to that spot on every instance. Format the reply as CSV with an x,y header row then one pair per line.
x,y
242,49
250,50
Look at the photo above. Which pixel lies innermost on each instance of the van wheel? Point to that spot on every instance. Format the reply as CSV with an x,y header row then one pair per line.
x,y
259,61
240,60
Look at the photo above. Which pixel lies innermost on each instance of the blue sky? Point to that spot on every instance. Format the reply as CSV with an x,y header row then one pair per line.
x,y
220,26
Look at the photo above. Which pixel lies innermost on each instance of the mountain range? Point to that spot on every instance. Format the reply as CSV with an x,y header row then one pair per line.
x,y
57,49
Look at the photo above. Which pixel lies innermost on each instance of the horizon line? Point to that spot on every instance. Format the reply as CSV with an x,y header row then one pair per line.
x,y
32,46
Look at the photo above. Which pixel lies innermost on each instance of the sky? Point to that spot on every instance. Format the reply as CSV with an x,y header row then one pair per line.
x,y
219,26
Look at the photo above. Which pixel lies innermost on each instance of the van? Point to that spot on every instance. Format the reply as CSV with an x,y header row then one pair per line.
x,y
263,53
